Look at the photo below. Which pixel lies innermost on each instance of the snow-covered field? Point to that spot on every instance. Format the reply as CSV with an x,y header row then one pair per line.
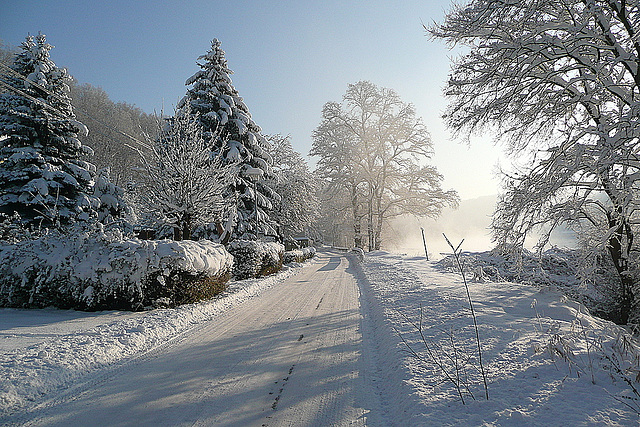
x,y
548,362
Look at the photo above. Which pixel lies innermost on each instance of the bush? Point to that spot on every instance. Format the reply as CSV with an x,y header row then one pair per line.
x,y
290,244
299,255
255,259
96,271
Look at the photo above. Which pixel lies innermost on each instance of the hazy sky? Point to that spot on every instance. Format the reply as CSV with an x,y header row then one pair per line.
x,y
288,58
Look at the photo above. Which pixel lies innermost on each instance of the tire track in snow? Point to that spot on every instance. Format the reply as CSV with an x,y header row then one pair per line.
x,y
31,414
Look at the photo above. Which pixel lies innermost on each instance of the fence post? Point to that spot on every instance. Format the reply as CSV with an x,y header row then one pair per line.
x,y
424,242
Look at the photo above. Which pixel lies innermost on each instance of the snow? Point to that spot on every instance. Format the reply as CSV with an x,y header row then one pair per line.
x,y
80,172
81,127
234,154
560,269
549,362
524,331
252,172
61,268
254,258
299,255
42,351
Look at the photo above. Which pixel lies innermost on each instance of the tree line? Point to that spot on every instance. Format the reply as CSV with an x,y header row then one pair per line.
x,y
207,171
556,81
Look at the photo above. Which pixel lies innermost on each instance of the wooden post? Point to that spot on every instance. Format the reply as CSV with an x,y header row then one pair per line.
x,y
424,242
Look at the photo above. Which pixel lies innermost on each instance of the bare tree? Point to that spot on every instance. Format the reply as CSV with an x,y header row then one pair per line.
x,y
559,82
7,52
338,166
334,223
114,130
374,146
183,180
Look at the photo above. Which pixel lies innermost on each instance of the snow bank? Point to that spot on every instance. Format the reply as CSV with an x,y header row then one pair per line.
x,y
555,268
93,271
254,258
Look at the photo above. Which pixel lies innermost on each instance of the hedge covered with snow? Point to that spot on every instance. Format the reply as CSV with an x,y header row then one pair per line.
x,y
255,259
299,255
92,271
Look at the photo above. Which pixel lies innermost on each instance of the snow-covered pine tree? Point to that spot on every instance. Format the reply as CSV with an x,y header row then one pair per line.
x,y
42,176
114,210
227,124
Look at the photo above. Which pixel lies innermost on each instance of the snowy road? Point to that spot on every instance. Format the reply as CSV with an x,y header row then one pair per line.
x,y
293,356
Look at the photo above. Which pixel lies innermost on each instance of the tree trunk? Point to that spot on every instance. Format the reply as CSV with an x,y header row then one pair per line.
x,y
357,240
378,232
182,229
186,231
378,242
379,215
357,235
370,233
619,246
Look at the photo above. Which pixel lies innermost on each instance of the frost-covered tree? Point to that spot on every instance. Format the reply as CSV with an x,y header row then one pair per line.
x,y
184,180
375,148
297,208
338,166
559,81
42,176
334,222
233,135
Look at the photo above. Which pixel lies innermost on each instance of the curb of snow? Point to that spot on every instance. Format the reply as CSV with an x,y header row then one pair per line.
x,y
384,353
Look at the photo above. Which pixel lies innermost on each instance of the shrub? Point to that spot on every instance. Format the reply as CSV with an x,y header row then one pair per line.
x,y
299,255
95,271
255,259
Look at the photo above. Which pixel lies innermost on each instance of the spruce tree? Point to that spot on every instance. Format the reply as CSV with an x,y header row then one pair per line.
x,y
42,176
228,126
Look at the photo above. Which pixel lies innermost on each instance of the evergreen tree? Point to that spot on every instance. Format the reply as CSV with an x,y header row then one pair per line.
x,y
41,175
114,210
233,135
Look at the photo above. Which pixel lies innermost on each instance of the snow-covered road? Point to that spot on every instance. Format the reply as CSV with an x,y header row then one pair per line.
x,y
319,344
293,356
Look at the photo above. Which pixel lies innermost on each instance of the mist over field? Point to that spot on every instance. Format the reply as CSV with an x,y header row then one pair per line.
x,y
471,222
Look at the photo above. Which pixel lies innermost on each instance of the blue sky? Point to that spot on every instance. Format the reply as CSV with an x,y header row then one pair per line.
x,y
288,58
